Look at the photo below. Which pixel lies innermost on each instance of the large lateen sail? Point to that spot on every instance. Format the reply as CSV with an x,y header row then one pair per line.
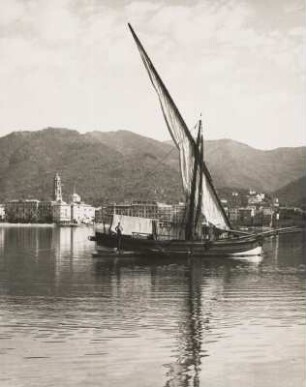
x,y
188,148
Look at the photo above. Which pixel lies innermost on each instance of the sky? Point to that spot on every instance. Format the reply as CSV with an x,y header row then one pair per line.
x,y
73,64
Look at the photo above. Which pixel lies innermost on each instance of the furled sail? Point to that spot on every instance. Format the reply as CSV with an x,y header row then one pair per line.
x,y
211,207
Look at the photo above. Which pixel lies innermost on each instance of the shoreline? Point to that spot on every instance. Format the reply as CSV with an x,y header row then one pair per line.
x,y
7,224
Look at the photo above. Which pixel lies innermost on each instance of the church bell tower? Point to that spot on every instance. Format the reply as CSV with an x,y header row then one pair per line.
x,y
57,191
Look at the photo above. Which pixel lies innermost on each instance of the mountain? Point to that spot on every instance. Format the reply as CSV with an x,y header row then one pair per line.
x,y
238,165
294,193
29,160
113,166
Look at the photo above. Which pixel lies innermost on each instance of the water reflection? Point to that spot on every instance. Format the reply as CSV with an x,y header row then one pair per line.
x,y
125,321
185,370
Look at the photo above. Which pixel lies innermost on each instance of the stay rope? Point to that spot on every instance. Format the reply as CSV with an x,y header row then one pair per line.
x,y
153,171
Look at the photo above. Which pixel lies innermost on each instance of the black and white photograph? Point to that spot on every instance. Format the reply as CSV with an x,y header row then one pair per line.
x,y
152,193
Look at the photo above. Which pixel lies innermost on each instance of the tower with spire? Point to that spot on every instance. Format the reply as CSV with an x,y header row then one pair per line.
x,y
57,189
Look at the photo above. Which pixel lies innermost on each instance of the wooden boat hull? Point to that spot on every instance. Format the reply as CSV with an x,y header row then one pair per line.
x,y
234,247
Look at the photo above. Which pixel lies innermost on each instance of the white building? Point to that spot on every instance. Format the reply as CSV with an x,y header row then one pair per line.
x,y
80,211
61,213
256,198
74,212
2,212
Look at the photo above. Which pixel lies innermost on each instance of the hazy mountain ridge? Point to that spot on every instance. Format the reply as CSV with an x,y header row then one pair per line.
x,y
123,165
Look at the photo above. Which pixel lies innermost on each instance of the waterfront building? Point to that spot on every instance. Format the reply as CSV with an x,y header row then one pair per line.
x,y
164,213
141,209
145,209
80,211
178,213
171,213
61,213
2,212
22,211
100,214
57,211
169,216
74,212
119,209
45,211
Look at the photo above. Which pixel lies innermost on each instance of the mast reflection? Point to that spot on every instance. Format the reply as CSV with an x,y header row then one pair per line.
x,y
186,370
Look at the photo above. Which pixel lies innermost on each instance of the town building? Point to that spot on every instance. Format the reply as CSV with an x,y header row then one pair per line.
x,y
22,211
57,211
74,212
2,212
140,209
61,213
45,211
169,216
80,211
100,214
171,213
255,198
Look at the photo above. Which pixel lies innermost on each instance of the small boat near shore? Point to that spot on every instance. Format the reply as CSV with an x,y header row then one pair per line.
x,y
205,229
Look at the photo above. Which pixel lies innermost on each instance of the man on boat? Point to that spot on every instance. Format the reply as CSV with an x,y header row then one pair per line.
x,y
213,233
119,230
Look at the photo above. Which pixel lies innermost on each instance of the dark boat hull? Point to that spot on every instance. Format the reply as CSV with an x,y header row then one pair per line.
x,y
239,247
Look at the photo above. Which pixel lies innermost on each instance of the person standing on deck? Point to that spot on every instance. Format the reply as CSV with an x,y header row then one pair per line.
x,y
119,230
211,232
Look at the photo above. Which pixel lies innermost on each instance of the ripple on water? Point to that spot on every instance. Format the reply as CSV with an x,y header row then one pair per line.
x,y
69,320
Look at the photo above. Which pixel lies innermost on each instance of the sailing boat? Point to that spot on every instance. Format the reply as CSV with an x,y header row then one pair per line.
x,y
203,209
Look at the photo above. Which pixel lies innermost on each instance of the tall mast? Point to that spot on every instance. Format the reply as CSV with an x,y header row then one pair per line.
x,y
195,199
200,183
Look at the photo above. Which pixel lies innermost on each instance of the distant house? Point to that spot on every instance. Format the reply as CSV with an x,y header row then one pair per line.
x,y
224,203
256,198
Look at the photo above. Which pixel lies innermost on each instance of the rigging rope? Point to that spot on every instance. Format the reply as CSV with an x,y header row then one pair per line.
x,y
153,171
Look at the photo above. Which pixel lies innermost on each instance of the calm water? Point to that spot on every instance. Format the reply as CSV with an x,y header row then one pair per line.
x,y
67,319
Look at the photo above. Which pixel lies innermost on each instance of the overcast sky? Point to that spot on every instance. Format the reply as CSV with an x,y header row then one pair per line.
x,y
73,64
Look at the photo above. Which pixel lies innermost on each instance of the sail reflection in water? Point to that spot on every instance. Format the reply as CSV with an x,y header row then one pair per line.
x,y
72,320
